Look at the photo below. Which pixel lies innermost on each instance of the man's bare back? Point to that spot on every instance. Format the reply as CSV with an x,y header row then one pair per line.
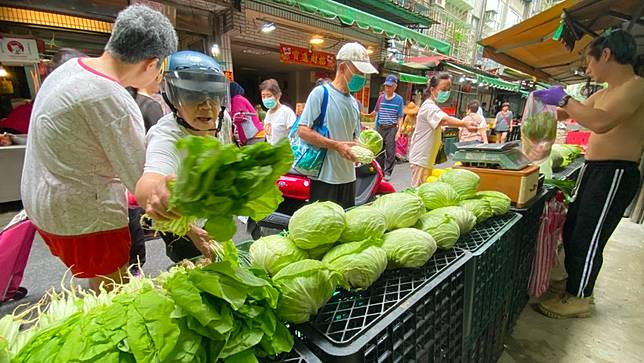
x,y
625,141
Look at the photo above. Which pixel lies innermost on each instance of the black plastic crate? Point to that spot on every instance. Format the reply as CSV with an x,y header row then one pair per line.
x,y
408,315
299,354
489,273
489,346
570,172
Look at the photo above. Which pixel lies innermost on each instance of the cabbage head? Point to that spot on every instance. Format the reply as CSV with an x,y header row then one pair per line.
x,y
363,222
466,220
443,228
317,224
437,195
272,253
408,248
401,210
499,202
319,251
463,181
372,140
305,286
360,263
363,155
480,207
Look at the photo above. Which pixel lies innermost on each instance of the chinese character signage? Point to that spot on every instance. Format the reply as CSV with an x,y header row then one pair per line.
x,y
295,55
363,97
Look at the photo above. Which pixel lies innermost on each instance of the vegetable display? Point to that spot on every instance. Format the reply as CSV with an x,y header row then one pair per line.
x,y
363,222
480,207
401,210
372,140
465,182
465,219
408,248
216,312
217,181
316,225
499,202
437,195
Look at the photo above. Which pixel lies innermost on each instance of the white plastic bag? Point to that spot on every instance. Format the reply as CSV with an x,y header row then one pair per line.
x,y
538,129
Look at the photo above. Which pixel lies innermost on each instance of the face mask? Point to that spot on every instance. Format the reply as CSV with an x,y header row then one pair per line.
x,y
442,96
356,83
269,102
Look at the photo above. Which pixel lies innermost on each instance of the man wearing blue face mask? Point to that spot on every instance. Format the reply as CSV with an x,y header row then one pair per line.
x,y
336,180
426,140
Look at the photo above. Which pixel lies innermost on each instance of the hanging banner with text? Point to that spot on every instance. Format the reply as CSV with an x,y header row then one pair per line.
x,y
290,54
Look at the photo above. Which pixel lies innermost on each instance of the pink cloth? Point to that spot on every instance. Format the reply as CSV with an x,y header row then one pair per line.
x,y
402,146
239,103
15,245
18,119
545,257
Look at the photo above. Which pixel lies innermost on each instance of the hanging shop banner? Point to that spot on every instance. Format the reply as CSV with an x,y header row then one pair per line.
x,y
363,97
18,50
290,54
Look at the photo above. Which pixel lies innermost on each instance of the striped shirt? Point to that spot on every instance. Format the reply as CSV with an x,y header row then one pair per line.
x,y
389,111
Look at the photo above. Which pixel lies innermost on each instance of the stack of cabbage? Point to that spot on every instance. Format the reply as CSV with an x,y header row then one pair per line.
x,y
326,247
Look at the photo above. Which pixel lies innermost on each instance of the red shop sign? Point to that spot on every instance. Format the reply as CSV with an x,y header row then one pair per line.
x,y
290,54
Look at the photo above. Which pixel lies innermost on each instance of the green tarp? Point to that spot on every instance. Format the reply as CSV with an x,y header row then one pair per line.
x,y
349,16
412,78
496,83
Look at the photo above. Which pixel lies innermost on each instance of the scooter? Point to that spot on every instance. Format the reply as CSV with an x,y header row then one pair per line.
x,y
296,190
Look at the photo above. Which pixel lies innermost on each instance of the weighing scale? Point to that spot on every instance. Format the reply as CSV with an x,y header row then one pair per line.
x,y
501,167
507,156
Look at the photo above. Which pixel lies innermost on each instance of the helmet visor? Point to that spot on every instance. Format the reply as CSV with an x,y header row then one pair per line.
x,y
190,87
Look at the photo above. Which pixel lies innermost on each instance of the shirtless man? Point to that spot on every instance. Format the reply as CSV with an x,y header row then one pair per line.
x,y
610,177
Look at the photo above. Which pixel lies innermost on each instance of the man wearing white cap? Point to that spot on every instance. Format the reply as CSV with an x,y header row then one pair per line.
x,y
336,181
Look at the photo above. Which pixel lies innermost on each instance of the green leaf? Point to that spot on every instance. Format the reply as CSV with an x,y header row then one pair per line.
x,y
246,356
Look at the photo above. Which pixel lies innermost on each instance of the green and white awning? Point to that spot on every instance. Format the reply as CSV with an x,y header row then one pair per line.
x,y
412,78
349,16
496,83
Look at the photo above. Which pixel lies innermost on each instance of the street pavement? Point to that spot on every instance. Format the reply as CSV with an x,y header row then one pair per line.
x,y
45,271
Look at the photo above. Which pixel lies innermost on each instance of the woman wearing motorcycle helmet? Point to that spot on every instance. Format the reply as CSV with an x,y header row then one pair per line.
x,y
197,91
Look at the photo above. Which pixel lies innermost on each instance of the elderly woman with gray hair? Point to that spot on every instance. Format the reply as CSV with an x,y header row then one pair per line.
x,y
86,147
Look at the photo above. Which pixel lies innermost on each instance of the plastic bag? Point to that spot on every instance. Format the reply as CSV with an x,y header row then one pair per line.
x,y
538,129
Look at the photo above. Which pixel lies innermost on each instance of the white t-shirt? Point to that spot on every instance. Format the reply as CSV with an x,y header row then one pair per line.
x,y
422,141
85,147
281,121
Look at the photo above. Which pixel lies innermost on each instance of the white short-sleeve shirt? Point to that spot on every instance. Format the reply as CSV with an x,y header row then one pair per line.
x,y
422,141
85,147
281,121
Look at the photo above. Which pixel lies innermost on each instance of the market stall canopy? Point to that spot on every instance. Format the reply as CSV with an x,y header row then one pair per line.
x,y
529,46
349,16
412,78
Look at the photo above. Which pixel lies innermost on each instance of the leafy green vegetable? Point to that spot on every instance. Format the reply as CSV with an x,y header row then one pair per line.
x,y
480,207
401,210
466,220
363,222
305,287
272,253
408,248
463,181
361,263
372,140
316,224
218,181
437,195
443,228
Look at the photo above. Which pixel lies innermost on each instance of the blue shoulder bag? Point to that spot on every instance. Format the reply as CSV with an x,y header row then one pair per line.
x,y
308,159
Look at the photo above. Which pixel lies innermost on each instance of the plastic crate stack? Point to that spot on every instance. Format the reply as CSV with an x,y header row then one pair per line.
x,y
488,285
408,315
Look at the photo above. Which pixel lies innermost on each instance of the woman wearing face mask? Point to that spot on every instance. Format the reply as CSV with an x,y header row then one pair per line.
x,y
426,140
197,91
279,118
